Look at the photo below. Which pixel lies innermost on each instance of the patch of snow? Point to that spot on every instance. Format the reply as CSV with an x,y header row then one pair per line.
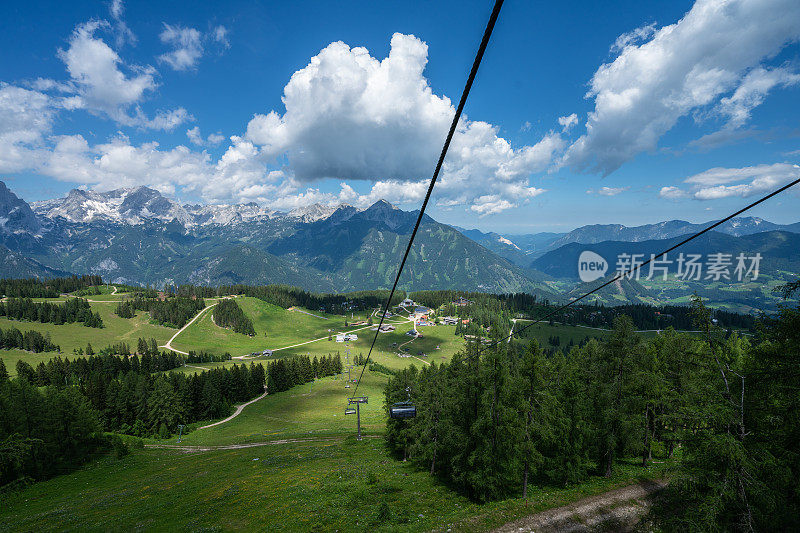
x,y
506,241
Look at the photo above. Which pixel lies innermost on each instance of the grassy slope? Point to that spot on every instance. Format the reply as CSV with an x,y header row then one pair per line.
x,y
311,409
332,485
330,482
72,336
277,328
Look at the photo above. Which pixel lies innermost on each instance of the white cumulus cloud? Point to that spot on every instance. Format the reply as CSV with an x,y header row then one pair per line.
x,y
568,121
195,137
101,86
685,66
724,182
351,116
187,44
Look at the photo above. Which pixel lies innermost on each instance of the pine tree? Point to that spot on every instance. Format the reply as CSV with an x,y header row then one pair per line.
x,y
536,406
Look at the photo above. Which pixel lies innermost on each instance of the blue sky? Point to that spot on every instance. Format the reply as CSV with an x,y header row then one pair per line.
x,y
681,109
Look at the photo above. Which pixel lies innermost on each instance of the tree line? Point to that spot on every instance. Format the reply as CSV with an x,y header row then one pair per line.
x,y
644,316
205,357
58,371
32,341
144,404
491,423
172,312
285,296
53,419
228,314
70,311
128,393
46,288
44,432
284,374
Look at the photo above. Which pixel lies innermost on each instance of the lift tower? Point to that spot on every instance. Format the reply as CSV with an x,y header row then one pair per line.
x,y
357,400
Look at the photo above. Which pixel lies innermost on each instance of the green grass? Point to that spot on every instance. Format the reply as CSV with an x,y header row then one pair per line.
x,y
541,332
326,481
433,336
10,358
318,478
71,336
311,409
275,327
322,486
278,328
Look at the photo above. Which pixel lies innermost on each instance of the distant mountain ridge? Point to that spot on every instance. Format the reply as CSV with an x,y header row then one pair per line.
x,y
780,251
524,249
736,227
139,236
139,205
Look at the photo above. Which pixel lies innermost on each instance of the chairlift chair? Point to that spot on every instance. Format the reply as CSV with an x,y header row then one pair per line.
x,y
402,410
406,409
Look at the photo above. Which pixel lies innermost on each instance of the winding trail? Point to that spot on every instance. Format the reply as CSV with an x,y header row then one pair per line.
x,y
423,360
239,409
168,345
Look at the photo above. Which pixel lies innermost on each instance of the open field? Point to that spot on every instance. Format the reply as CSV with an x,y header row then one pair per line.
x,y
278,328
288,461
10,358
302,470
275,327
116,329
336,484
384,353
313,409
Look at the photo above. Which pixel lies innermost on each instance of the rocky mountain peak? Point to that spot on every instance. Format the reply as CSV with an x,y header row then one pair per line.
x,y
133,205
16,215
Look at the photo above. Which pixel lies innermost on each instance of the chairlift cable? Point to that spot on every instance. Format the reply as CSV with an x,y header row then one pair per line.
x,y
473,72
640,265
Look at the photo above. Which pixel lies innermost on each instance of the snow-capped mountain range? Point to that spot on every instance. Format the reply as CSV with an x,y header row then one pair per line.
x,y
138,205
139,236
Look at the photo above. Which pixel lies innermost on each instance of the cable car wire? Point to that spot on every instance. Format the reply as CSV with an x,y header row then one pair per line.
x,y
640,265
473,72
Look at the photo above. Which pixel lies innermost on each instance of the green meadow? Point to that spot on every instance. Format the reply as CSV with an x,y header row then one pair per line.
x,y
321,484
116,329
287,462
275,328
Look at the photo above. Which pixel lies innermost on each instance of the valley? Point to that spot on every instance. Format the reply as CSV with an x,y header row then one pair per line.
x,y
140,237
288,460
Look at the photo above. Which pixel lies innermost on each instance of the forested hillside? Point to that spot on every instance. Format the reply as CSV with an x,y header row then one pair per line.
x,y
493,421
